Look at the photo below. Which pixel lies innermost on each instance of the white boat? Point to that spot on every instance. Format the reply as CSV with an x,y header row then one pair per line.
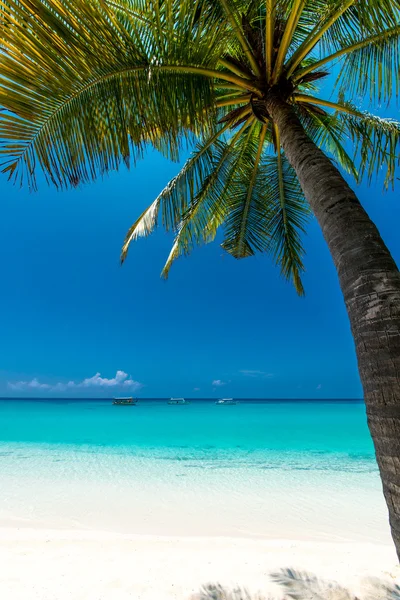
x,y
125,401
178,401
228,401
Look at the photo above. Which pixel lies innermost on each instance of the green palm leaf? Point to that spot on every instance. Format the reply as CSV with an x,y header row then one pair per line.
x,y
372,70
176,198
376,141
376,144
84,92
244,231
339,21
207,208
369,64
287,217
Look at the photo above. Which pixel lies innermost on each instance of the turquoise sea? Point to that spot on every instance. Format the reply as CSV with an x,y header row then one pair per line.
x,y
309,427
227,470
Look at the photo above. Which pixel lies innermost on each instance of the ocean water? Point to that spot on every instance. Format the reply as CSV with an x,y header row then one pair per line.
x,y
258,469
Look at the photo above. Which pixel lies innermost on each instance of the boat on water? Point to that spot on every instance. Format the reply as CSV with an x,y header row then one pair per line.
x,y
178,401
125,401
227,401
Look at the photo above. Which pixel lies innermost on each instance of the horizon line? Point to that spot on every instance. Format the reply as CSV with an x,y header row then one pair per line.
x,y
195,399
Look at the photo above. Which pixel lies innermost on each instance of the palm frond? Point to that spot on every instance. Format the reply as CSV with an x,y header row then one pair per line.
x,y
371,69
175,199
206,207
331,12
376,144
234,183
292,21
210,204
142,227
361,20
85,91
288,213
129,8
376,141
341,20
243,234
311,15
352,45
233,17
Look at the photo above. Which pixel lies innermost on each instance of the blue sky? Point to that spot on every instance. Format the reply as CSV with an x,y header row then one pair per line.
x,y
76,323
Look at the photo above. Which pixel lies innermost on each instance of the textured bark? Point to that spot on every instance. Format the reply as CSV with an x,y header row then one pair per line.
x,y
370,282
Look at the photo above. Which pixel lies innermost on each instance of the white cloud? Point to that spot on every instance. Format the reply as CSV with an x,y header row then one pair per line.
x,y
34,384
255,373
121,379
218,382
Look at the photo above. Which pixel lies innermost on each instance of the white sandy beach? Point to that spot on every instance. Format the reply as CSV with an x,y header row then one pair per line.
x,y
77,561
79,565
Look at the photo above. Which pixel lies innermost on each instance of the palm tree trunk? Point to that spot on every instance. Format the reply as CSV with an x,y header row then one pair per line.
x,y
370,282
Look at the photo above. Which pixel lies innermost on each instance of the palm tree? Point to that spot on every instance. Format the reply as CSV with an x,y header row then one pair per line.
x,y
87,85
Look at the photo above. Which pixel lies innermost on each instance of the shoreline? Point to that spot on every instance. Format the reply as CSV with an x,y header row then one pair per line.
x,y
80,531
194,492
12,531
99,565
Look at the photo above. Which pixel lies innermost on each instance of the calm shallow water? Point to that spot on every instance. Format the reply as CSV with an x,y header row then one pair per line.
x,y
251,425
201,468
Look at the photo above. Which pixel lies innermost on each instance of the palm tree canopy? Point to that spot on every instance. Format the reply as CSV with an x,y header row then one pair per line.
x,y
86,85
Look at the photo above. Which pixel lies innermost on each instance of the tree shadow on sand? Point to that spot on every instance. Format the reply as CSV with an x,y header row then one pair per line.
x,y
300,585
